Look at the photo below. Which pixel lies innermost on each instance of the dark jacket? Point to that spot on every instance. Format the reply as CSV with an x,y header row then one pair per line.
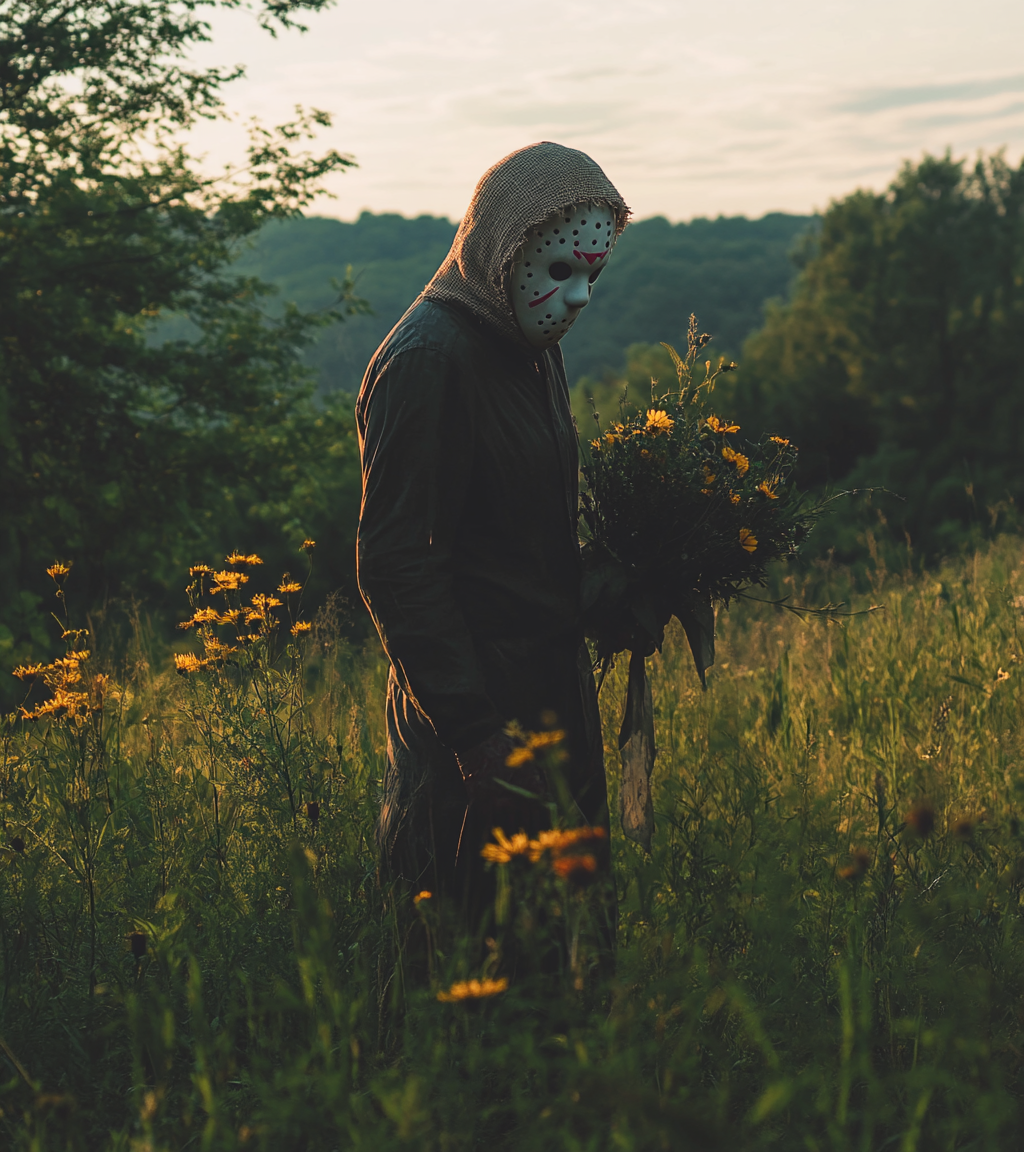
x,y
468,556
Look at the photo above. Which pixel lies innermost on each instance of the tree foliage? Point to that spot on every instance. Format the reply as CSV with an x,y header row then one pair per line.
x,y
123,449
899,359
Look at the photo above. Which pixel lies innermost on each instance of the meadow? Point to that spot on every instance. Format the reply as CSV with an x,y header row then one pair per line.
x,y
823,951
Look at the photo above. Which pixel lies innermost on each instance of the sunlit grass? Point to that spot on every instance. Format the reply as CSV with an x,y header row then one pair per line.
x,y
824,949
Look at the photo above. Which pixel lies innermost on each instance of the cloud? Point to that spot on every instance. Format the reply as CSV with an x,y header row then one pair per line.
x,y
885,99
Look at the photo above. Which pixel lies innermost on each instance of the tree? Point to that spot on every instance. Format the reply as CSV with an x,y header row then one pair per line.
x,y
900,358
121,446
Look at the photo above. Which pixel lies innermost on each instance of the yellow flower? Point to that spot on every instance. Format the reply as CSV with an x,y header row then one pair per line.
x,y
301,626
215,649
71,660
717,425
518,756
505,849
289,586
545,739
748,540
200,570
29,672
240,558
58,571
558,840
779,440
228,582
576,869
658,421
307,545
740,461
734,497
263,602
473,990
424,895
186,662
768,489
205,616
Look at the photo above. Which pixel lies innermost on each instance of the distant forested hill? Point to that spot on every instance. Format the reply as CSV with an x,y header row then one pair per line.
x,y
722,269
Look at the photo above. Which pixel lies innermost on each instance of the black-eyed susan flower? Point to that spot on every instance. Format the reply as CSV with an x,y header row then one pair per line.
x,y
307,545
300,627
58,571
748,540
658,421
289,586
767,488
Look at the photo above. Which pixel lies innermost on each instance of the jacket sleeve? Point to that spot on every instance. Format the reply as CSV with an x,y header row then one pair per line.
x,y
417,429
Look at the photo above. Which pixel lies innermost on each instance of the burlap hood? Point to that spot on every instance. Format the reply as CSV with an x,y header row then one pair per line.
x,y
517,194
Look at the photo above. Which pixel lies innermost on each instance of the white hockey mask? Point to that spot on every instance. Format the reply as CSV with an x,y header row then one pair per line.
x,y
553,274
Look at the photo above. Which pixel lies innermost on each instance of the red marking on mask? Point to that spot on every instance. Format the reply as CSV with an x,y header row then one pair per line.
x,y
590,257
541,299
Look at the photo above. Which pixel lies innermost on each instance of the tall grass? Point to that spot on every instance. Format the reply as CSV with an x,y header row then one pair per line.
x,y
823,951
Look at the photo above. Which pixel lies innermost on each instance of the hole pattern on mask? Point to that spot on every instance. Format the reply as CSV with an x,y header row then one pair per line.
x,y
600,229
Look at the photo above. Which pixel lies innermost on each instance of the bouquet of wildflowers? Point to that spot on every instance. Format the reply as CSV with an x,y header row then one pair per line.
x,y
681,515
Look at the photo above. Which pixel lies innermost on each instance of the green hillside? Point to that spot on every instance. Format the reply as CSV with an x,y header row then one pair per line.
x,y
724,269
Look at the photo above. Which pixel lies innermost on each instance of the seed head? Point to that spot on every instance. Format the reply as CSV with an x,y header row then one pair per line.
x,y
921,818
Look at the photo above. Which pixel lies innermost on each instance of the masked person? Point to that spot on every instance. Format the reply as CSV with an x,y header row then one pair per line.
x,y
468,555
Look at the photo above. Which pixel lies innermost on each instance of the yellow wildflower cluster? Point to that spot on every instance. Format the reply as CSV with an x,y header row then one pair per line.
x,y
716,425
58,571
748,540
767,488
534,742
473,990
300,627
240,558
737,459
288,586
307,545
187,662
61,677
779,440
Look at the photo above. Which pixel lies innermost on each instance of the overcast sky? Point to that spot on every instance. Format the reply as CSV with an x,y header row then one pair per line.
x,y
735,106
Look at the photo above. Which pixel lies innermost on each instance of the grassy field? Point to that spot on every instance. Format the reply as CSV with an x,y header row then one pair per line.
x,y
824,950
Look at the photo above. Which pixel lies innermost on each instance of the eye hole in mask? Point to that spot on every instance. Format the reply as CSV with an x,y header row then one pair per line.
x,y
560,270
